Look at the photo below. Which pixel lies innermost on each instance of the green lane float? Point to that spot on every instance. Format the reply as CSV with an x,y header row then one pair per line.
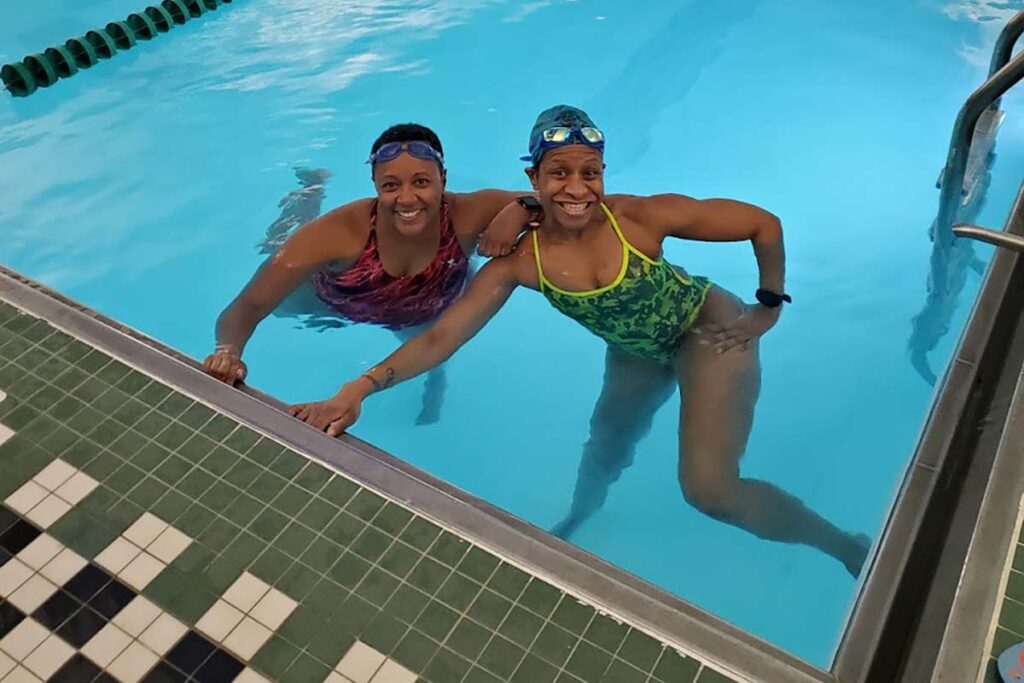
x,y
55,63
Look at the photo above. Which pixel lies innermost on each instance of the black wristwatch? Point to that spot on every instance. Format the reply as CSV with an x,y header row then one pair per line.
x,y
771,299
529,202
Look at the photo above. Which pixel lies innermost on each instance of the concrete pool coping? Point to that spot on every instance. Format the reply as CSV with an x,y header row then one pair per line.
x,y
661,614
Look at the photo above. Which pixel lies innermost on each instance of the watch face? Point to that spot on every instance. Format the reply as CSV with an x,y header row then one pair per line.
x,y
529,203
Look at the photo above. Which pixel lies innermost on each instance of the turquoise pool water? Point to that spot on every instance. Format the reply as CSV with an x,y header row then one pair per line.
x,y
142,186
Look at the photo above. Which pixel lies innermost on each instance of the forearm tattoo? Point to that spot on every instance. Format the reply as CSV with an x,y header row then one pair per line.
x,y
384,382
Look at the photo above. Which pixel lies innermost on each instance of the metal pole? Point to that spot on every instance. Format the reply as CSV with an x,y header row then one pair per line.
x,y
996,237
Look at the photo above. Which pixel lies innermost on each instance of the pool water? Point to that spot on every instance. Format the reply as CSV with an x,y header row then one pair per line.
x,y
142,186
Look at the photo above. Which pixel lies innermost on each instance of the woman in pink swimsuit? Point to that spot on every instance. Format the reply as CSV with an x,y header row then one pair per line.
x,y
396,260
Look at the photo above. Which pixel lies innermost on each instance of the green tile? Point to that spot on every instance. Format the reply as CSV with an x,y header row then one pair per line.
x,y
674,667
298,581
174,405
218,427
383,634
534,670
420,533
377,587
294,540
399,559
125,478
244,510
219,533
478,675
193,561
588,662
153,394
1003,640
288,464
290,500
39,428
219,461
326,598
392,519
150,457
102,466
344,529
195,416
317,514
436,620
195,483
1018,558
371,544
133,383
191,604
1015,586
406,603
414,651
468,639
271,565
70,379
489,609
220,497
555,644
244,549
501,657
339,490
82,533
621,672
66,408
196,521
196,448
265,452
55,341
83,421
349,570
81,452
89,390
148,491
221,573
243,473
640,650
322,555
712,676
52,368
521,626
540,597
173,436
508,581
458,592
20,417
241,440
606,632
113,372
173,469
365,505
449,549
109,401
274,658
59,440
573,615
478,564
313,477
428,575
354,615
1011,617
266,487
446,666
99,500
129,444
305,669
130,412
330,644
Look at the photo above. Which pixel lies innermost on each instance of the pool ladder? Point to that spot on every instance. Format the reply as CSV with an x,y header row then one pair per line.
x,y
42,70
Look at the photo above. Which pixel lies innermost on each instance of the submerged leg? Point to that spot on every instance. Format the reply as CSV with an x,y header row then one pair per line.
x,y
433,389
719,393
633,391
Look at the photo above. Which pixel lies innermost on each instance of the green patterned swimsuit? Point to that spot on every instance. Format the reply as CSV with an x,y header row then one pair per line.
x,y
645,311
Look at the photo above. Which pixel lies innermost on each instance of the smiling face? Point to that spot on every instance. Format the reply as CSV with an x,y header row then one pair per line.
x,y
409,190
570,184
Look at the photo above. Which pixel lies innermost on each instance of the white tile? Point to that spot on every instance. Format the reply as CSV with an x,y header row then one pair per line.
x,y
6,664
360,663
247,638
25,637
32,594
132,664
273,609
3,395
5,433
54,474
393,672
21,675
76,488
40,551
117,555
26,498
61,568
245,592
146,528
141,571
336,677
12,575
168,545
49,511
136,616
219,620
250,676
46,659
163,634
106,645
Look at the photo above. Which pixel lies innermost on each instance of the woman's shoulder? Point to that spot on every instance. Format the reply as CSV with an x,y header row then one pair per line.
x,y
338,233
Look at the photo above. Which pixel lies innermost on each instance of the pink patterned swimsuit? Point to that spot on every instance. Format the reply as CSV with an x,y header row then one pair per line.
x,y
366,293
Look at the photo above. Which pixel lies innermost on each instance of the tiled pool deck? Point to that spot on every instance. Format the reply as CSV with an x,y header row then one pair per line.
x,y
160,540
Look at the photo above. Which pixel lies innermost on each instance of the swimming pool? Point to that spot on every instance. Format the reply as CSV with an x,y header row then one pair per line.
x,y
141,188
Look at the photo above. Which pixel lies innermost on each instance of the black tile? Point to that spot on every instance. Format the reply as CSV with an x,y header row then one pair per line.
x,y
7,518
77,670
81,627
87,582
10,616
18,536
190,652
221,667
112,599
4,557
105,678
56,610
164,673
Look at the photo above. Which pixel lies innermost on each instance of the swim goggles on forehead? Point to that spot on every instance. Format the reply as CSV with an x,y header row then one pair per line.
x,y
391,150
564,135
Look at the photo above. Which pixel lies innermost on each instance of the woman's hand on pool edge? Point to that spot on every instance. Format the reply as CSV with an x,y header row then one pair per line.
x,y
755,321
335,414
226,364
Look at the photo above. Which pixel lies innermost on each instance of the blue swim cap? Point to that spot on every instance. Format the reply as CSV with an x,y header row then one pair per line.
x,y
562,115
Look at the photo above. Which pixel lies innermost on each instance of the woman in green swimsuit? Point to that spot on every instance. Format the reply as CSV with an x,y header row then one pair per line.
x,y
597,259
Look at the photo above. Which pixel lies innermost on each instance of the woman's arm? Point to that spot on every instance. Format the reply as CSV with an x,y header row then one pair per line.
x,y
486,295
495,219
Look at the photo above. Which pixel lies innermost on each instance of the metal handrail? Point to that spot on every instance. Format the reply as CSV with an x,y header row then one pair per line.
x,y
996,237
